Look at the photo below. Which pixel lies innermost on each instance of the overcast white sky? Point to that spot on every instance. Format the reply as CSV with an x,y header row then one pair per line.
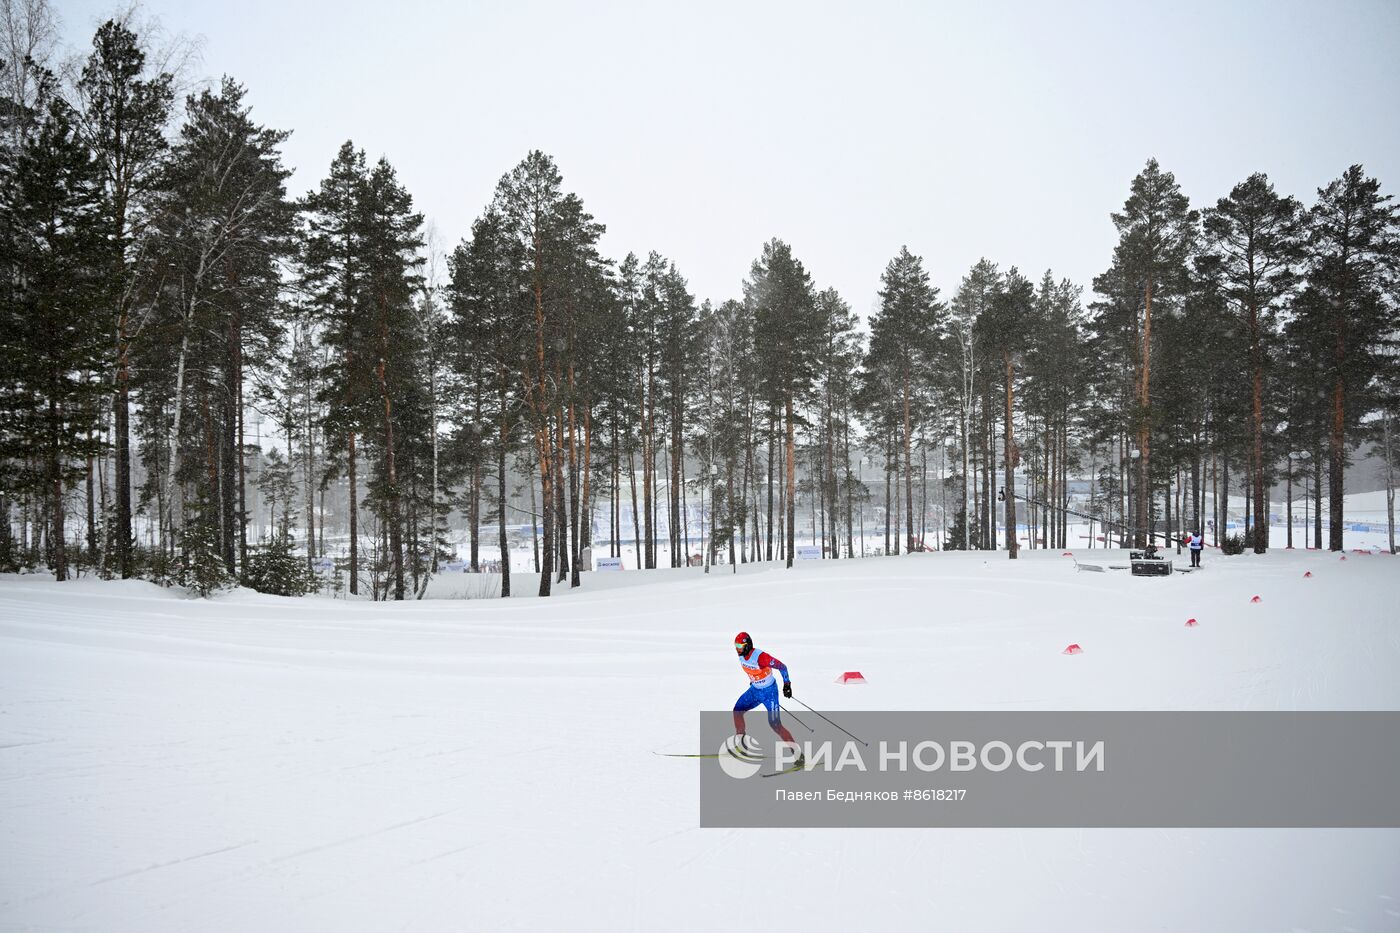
x,y
1008,130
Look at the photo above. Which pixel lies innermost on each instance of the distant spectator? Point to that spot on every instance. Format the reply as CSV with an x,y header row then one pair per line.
x,y
1195,541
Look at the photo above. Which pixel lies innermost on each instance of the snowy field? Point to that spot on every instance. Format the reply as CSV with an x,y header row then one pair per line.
x,y
254,763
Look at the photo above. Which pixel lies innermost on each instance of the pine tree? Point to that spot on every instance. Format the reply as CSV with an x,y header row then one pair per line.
x,y
51,341
904,333
1003,335
202,566
1214,346
1253,237
558,238
781,298
393,342
1055,363
486,300
123,116
1352,249
276,569
839,357
1157,233
676,339
962,355
332,272
223,224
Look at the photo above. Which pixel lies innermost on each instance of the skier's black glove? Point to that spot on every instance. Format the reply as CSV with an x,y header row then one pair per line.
x,y
787,689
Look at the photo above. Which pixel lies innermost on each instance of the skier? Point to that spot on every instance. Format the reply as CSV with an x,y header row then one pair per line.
x,y
759,665
1196,542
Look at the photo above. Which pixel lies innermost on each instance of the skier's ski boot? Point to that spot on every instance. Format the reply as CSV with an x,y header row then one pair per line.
x,y
744,748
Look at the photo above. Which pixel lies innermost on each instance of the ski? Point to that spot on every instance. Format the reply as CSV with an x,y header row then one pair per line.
x,y
704,755
799,766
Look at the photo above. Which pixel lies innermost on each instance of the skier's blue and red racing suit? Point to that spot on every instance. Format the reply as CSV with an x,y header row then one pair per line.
x,y
763,687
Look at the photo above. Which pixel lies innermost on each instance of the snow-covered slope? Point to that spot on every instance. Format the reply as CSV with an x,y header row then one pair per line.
x,y
252,763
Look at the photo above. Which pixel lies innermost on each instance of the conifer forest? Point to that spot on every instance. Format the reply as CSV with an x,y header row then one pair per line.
x,y
207,377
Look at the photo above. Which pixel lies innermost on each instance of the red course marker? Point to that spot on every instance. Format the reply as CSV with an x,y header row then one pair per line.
x,y
1307,573
1073,649
1190,623
851,677
1255,599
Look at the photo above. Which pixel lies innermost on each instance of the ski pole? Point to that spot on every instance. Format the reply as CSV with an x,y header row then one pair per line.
x,y
795,719
860,740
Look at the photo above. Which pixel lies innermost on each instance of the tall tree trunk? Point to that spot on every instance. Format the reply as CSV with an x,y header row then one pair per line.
x,y
677,456
923,490
1288,511
237,428
1251,510
1389,484
475,487
1167,516
850,493
541,404
750,507
394,518
501,485
989,517
1389,479
575,546
309,453
561,509
1261,502
354,510
1144,488
1010,456
1336,464
730,516
615,490
898,491
433,491
685,514
1317,498
908,467
791,482
534,513
889,508
1196,481
546,466
1225,492
173,438
782,487
968,485
91,513
584,534
58,536
227,479
121,408
648,560
772,438
636,517
831,501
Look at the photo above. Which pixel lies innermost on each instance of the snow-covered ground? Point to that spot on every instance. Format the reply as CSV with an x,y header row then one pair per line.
x,y
525,582
254,763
